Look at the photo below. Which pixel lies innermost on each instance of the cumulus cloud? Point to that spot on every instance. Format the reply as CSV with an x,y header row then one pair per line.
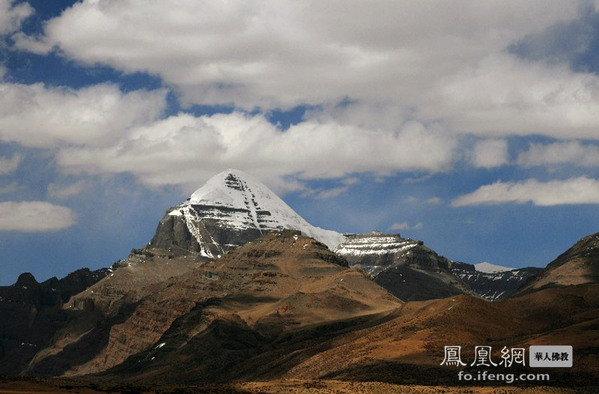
x,y
406,226
282,53
34,216
391,86
434,200
40,116
581,190
57,190
327,193
27,43
346,183
503,95
12,15
184,150
570,152
9,165
490,153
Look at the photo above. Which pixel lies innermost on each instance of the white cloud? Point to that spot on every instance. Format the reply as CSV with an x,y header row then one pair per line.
x,y
39,116
490,153
326,193
34,216
570,152
406,226
9,165
581,190
350,181
367,115
12,15
56,190
502,95
283,53
185,150
393,84
30,44
434,201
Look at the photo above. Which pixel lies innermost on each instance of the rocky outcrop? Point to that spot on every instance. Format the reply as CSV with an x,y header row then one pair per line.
x,y
493,286
577,265
31,314
412,271
277,284
196,229
406,268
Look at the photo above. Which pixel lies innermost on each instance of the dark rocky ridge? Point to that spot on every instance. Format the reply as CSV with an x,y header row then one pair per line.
x,y
577,265
406,268
495,285
286,307
584,252
281,283
411,271
173,232
31,313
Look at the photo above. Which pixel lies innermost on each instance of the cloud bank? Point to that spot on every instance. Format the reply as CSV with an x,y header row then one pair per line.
x,y
44,117
183,149
572,152
391,86
447,61
581,190
12,15
35,216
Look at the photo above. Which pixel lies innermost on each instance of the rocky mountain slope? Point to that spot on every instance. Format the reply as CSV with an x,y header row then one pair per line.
x,y
285,307
410,347
230,210
404,267
577,265
412,271
224,293
493,286
31,313
259,293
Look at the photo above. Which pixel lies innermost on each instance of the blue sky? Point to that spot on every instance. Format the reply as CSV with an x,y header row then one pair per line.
x,y
471,126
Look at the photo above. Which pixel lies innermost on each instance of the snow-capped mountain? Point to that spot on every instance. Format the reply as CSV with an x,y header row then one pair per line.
x,y
493,282
371,252
405,267
489,268
232,208
412,271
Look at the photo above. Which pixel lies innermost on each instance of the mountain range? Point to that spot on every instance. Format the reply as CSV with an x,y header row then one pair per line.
x,y
236,286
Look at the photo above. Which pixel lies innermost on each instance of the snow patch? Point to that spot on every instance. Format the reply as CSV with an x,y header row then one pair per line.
x,y
489,268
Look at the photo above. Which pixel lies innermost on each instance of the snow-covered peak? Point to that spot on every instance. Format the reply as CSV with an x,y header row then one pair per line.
x,y
234,189
237,200
491,268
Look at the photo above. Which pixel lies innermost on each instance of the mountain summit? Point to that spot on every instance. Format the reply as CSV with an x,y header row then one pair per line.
x,y
231,209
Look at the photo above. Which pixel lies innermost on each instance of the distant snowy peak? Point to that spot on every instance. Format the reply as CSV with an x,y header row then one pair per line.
x,y
489,268
239,202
